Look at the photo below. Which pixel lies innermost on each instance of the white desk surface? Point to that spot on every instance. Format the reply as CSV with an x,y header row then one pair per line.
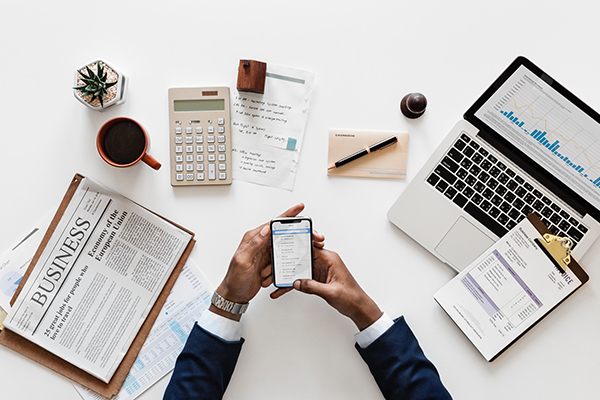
x,y
366,56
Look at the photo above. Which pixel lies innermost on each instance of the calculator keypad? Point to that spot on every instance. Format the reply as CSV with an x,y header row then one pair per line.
x,y
200,141
198,163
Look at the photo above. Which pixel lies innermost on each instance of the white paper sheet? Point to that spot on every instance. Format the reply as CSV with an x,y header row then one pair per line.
x,y
188,299
268,129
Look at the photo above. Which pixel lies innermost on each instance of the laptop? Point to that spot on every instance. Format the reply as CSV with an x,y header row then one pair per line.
x,y
526,145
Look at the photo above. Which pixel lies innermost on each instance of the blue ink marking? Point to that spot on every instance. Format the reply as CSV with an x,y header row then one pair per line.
x,y
291,144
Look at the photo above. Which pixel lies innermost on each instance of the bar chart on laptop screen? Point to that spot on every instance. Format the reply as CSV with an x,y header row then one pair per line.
x,y
550,129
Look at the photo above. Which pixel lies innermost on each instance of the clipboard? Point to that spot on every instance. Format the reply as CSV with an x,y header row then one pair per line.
x,y
52,361
572,265
452,297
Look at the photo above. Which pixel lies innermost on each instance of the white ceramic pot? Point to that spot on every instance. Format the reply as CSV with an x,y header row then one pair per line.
x,y
117,92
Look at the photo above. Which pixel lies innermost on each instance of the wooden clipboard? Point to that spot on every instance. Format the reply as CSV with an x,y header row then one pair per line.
x,y
50,360
573,266
462,293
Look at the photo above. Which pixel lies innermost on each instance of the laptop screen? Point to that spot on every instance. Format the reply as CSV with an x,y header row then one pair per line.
x,y
547,124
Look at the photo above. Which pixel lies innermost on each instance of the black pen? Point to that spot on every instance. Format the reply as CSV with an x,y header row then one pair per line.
x,y
377,146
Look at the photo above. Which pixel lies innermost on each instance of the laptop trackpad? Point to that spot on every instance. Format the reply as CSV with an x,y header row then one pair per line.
x,y
463,243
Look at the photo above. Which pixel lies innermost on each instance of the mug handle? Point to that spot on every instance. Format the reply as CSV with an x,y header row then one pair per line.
x,y
151,161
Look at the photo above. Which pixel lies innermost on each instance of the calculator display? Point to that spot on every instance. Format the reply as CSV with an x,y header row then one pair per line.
x,y
199,105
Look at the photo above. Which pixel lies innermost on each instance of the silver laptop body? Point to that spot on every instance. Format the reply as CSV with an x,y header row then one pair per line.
x,y
526,145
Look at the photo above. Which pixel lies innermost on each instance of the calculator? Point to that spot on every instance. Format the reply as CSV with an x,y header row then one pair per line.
x,y
200,136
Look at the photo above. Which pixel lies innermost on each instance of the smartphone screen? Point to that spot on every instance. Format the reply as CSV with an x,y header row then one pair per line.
x,y
291,240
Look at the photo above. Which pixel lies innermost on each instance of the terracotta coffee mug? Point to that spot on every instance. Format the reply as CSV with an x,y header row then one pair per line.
x,y
123,142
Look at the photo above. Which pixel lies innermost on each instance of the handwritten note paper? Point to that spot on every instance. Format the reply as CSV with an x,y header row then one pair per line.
x,y
267,129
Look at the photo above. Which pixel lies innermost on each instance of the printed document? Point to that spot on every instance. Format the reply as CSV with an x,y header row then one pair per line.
x,y
15,261
505,291
268,129
97,279
186,303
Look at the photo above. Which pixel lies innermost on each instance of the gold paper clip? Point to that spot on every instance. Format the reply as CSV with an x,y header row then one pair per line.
x,y
558,249
2,317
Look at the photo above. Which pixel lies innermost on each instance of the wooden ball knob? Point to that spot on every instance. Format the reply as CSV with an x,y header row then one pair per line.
x,y
413,105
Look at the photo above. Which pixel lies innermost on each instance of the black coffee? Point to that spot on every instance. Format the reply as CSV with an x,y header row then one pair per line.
x,y
124,142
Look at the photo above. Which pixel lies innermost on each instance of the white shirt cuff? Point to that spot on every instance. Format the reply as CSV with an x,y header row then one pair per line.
x,y
224,328
372,333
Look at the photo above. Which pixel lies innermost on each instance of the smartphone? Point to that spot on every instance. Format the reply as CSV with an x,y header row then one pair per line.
x,y
292,250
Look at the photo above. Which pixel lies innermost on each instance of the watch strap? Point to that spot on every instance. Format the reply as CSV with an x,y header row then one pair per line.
x,y
227,305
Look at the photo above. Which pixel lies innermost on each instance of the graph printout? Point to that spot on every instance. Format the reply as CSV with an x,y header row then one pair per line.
x,y
555,133
505,291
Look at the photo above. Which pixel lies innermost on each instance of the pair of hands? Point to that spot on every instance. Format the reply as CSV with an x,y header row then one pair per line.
x,y
251,268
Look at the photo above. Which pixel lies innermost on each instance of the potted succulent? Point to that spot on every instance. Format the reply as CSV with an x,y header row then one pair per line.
x,y
99,85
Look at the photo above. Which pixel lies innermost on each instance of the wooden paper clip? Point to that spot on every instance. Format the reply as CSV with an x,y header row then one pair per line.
x,y
558,249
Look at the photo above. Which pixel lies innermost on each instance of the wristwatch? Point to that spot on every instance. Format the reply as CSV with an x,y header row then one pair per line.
x,y
229,306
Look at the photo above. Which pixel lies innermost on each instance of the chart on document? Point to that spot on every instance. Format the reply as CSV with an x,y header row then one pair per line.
x,y
548,127
501,292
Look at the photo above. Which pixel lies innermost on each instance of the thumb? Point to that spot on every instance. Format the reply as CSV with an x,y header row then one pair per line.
x,y
311,286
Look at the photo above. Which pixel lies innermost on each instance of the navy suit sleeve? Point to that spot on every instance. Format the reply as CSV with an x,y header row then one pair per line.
x,y
400,368
204,367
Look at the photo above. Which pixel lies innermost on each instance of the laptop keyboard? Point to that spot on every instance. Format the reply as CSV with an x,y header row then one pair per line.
x,y
495,195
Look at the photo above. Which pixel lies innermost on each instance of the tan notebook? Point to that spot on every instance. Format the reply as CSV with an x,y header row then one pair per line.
x,y
44,357
388,163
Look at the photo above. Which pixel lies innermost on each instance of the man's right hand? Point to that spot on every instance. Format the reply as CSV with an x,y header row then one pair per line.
x,y
336,285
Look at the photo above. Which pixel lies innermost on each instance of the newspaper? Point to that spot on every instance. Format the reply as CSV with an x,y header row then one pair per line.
x,y
97,279
189,298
